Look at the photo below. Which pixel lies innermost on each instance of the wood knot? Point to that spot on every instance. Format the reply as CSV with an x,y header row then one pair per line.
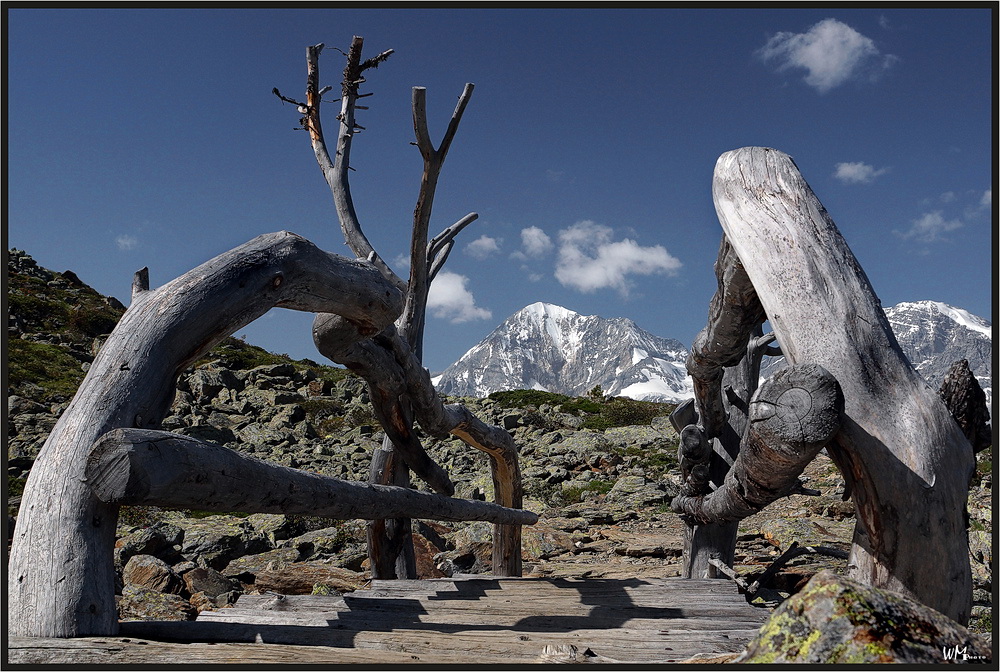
x,y
278,279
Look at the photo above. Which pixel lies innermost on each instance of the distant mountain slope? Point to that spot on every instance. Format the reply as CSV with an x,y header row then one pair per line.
x,y
543,346
547,347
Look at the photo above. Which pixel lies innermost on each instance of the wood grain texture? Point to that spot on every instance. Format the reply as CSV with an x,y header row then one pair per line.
x,y
904,458
468,621
155,468
61,578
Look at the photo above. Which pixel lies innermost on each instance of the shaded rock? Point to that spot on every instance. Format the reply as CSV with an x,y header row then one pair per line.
x,y
275,527
301,579
144,604
247,567
475,558
207,581
836,620
217,540
144,541
146,571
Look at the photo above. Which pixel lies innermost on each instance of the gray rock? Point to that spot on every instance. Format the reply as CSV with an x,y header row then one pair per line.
x,y
836,620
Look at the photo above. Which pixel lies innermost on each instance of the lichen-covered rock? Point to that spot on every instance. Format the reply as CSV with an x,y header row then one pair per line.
x,y
145,604
217,540
208,581
635,492
836,620
247,567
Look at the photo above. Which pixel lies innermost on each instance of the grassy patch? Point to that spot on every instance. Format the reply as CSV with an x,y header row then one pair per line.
x,y
576,494
622,412
50,367
525,398
325,416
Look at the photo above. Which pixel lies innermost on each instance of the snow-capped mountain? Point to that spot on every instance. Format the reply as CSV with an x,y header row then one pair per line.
x,y
547,347
934,336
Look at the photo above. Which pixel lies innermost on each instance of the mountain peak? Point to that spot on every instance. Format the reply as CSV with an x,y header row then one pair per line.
x,y
548,347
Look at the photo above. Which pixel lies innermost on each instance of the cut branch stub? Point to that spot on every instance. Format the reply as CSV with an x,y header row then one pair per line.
x,y
793,415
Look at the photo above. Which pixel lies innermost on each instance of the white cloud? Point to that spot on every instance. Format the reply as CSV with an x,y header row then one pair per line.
x,y
857,173
831,52
987,200
126,242
948,197
449,299
535,242
930,226
483,246
589,260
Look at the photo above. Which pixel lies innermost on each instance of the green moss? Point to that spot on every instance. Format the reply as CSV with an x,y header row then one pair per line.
x,y
622,412
525,398
50,367
577,493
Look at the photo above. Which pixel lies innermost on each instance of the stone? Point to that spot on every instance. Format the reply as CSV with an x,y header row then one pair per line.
x,y
217,540
635,492
145,604
147,571
301,579
246,568
836,620
208,581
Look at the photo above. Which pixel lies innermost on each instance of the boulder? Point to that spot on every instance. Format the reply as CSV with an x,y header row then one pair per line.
x,y
145,604
247,567
208,581
836,620
217,540
302,578
146,571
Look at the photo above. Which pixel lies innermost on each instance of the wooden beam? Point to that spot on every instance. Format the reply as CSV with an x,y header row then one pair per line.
x,y
155,468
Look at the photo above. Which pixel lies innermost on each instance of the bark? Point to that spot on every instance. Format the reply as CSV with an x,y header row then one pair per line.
x,y
903,456
155,468
61,574
792,417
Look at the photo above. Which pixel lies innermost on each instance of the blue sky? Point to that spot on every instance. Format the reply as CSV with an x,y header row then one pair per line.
x,y
150,137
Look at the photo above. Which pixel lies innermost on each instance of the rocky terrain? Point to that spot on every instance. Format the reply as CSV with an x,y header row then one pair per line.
x,y
601,472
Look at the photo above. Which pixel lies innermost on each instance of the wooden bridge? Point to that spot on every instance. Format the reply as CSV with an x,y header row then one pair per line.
x,y
472,619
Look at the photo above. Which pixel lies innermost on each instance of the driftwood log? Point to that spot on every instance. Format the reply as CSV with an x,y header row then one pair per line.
x,y
906,462
792,416
61,573
155,468
966,402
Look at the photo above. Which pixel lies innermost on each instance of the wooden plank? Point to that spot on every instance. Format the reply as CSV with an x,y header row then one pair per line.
x,y
104,651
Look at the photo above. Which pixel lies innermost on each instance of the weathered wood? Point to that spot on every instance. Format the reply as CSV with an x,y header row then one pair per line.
x,y
904,458
388,365
61,575
489,620
966,402
156,468
717,539
792,416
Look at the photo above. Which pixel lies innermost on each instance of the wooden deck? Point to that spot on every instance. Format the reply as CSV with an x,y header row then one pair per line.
x,y
479,620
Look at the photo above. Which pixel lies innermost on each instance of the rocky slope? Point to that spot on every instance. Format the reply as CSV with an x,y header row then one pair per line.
x,y
600,471
547,347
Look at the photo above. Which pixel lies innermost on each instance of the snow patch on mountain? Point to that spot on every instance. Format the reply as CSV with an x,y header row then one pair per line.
x,y
548,347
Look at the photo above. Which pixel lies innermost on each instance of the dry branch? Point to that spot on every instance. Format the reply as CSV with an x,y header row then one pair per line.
x,y
155,468
792,417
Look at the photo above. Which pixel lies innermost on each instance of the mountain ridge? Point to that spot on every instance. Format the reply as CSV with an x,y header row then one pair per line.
x,y
542,346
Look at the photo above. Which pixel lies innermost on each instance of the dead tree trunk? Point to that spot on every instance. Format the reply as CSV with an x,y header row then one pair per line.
x,y
905,460
61,574
392,383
